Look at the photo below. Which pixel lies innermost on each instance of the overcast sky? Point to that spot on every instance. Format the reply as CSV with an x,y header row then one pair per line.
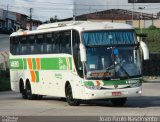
x,y
42,9
45,9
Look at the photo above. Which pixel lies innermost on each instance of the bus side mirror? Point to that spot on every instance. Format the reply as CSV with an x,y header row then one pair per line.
x,y
144,50
82,52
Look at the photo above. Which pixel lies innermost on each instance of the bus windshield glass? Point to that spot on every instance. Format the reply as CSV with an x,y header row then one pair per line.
x,y
100,38
113,55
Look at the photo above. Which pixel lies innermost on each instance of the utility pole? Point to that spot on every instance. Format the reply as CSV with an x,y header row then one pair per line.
x,y
30,27
141,8
7,16
152,19
134,1
74,11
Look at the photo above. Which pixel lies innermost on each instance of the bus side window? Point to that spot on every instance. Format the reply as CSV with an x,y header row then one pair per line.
x,y
40,44
56,44
67,41
62,42
24,45
53,43
14,43
32,45
49,42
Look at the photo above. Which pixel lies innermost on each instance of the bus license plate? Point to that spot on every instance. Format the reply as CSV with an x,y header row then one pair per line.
x,y
116,93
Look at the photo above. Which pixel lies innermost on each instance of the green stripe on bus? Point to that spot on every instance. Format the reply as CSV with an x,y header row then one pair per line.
x,y
106,83
49,63
37,76
88,83
55,64
115,82
46,63
70,61
16,63
24,63
34,63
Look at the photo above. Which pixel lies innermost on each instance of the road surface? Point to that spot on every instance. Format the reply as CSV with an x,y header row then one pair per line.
x,y
146,105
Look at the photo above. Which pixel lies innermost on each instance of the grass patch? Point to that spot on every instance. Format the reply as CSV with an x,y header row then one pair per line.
x,y
152,39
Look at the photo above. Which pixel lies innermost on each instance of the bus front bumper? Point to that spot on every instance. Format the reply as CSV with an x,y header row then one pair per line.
x,y
114,93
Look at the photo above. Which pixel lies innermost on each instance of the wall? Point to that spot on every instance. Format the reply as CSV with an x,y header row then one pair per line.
x,y
136,23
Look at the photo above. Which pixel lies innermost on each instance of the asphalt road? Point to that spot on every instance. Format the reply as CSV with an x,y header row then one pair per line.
x,y
148,104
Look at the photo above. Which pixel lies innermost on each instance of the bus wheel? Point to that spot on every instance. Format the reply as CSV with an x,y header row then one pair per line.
x,y
39,97
23,90
24,94
69,97
30,96
118,101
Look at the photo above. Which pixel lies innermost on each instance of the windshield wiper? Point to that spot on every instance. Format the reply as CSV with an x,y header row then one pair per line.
x,y
124,70
113,67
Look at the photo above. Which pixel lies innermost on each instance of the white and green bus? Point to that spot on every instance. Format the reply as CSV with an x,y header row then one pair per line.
x,y
77,60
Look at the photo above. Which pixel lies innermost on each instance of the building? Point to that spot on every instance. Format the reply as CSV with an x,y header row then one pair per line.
x,y
21,20
90,6
33,24
11,21
136,19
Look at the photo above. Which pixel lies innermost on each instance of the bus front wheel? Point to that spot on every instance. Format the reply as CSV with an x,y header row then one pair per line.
x,y
69,97
118,101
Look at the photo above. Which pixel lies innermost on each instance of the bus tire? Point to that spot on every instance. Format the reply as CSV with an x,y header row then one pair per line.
x,y
30,96
118,101
24,94
22,89
69,96
39,97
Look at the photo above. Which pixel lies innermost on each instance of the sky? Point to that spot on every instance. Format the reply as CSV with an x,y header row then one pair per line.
x,y
45,9
42,9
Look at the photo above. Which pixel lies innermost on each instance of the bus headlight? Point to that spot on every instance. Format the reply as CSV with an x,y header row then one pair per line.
x,y
93,87
138,84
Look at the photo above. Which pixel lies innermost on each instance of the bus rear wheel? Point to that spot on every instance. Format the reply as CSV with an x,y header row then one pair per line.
x,y
69,97
24,94
30,96
22,90
118,101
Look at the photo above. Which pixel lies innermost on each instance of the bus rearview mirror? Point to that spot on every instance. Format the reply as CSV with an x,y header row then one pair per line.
x,y
144,50
82,52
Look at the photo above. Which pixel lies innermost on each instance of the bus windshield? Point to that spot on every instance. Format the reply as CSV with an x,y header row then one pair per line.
x,y
112,37
111,59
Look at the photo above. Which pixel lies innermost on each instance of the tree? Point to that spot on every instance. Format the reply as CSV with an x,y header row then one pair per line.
x,y
55,19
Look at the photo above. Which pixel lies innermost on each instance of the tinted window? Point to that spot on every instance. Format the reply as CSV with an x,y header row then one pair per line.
x,y
24,44
32,45
47,43
65,42
40,44
14,45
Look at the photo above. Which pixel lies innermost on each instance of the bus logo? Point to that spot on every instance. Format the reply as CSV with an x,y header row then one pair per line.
x,y
62,65
14,64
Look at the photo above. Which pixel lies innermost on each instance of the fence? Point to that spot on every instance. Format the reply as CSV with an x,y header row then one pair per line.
x,y
4,64
152,66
